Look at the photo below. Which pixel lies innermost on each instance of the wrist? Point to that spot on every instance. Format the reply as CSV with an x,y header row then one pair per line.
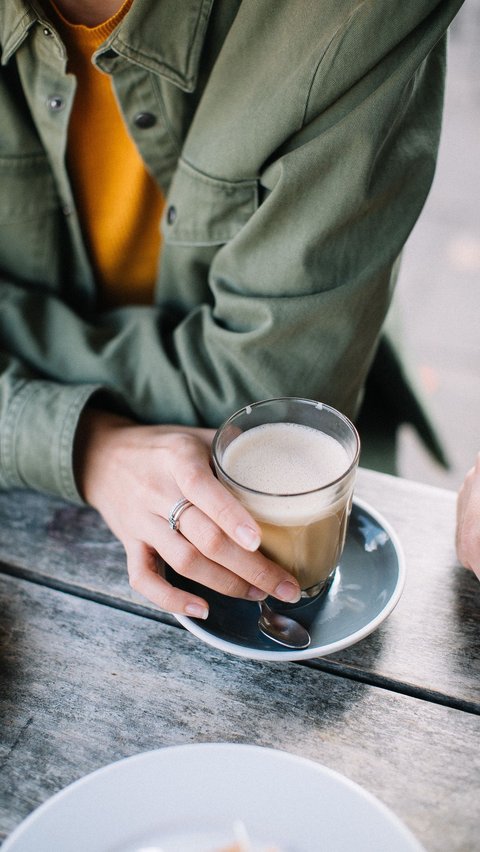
x,y
94,435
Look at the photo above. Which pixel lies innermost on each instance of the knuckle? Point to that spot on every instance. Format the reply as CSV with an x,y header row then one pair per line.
x,y
262,579
184,446
233,587
134,581
226,515
134,569
213,541
191,478
185,561
168,600
135,577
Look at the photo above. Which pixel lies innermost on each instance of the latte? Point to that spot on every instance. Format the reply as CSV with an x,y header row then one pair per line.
x,y
291,478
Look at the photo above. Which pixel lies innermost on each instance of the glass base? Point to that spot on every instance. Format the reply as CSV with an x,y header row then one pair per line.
x,y
319,588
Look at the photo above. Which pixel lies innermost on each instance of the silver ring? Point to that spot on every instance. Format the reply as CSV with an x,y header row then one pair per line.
x,y
176,511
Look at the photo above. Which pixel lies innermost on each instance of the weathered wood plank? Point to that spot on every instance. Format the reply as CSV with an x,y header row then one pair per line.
x,y
432,639
429,643
84,684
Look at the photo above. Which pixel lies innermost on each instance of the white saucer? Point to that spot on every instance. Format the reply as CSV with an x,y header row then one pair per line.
x,y
188,799
367,586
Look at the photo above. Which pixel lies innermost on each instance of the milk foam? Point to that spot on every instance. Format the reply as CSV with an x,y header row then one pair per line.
x,y
285,458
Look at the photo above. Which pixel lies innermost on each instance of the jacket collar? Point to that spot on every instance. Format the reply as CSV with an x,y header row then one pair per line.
x,y
16,18
164,36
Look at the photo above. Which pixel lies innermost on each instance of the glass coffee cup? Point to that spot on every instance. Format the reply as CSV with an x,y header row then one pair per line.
x,y
292,463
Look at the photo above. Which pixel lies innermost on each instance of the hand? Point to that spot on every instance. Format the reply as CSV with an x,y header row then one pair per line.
x,y
468,520
134,474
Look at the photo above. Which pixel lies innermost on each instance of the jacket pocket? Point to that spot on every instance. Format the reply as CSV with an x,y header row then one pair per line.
x,y
205,211
29,220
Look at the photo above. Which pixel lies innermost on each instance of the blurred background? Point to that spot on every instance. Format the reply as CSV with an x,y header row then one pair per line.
x,y
439,285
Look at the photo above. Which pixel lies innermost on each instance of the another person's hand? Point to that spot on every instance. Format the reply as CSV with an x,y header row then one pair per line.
x,y
468,520
133,475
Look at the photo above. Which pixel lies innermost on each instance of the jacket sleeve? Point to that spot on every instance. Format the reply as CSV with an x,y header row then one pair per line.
x,y
38,420
297,297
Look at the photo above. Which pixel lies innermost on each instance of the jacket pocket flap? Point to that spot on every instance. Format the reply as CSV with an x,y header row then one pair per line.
x,y
202,210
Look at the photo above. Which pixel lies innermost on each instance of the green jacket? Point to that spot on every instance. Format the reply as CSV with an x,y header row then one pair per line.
x,y
296,142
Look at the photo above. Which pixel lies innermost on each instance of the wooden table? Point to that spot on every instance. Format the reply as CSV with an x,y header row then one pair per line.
x,y
92,673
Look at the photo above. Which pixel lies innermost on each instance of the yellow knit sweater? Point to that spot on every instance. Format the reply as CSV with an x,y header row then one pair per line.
x,y
118,201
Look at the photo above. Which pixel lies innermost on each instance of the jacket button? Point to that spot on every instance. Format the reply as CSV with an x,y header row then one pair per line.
x,y
55,103
143,120
171,214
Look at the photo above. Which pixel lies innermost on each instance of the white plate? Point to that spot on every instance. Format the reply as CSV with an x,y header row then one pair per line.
x,y
188,798
367,586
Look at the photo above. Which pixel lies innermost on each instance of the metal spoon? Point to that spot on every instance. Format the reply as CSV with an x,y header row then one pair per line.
x,y
282,629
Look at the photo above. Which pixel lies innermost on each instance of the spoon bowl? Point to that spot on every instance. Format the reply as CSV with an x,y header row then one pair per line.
x,y
282,629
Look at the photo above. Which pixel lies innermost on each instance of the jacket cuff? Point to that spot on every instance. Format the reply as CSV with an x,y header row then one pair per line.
x,y
37,436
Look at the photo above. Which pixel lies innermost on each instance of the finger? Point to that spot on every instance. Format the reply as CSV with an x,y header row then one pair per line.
x,y
249,574
462,500
144,579
197,482
468,520
188,560
228,514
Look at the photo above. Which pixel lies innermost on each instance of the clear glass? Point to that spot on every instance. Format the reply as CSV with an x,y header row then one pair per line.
x,y
303,530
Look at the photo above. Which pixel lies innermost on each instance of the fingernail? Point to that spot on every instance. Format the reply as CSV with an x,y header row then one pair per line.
x,y
197,611
256,594
247,537
287,591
